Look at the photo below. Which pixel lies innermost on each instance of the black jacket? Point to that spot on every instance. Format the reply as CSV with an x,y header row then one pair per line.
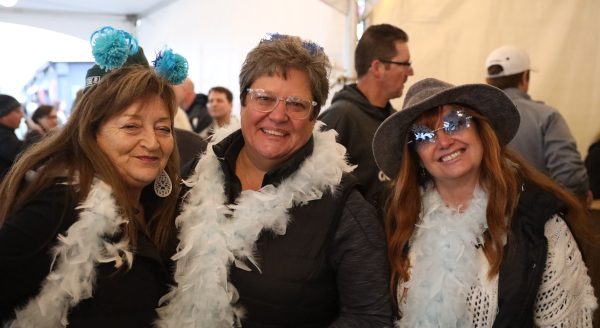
x,y
330,267
124,298
190,145
525,257
10,147
356,121
198,114
592,163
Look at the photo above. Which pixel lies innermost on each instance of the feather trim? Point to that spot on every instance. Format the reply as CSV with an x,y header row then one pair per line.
x,y
214,235
73,271
444,262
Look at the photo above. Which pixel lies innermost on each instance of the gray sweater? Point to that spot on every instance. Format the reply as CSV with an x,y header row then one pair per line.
x,y
544,139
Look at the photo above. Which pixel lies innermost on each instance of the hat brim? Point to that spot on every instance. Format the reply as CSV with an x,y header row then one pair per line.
x,y
490,101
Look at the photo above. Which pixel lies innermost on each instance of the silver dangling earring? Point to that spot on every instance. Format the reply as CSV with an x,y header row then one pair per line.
x,y
163,185
423,174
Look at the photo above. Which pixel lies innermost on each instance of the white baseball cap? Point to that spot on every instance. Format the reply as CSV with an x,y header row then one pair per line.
x,y
512,60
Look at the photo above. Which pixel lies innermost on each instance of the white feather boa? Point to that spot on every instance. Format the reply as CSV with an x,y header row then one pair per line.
x,y
213,235
444,263
73,272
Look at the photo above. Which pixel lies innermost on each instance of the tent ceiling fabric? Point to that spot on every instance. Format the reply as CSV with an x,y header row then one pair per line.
x,y
343,6
340,5
450,40
138,8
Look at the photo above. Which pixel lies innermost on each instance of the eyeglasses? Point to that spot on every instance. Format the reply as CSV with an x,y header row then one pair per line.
x,y
295,107
455,121
406,64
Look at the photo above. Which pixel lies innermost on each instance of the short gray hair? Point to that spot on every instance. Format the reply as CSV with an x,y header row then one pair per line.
x,y
277,54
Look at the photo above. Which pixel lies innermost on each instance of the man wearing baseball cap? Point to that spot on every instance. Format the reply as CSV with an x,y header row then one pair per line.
x,y
10,118
543,138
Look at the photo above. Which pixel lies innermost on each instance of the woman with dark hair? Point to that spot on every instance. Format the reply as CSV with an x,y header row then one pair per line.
x,y
45,117
476,237
45,120
87,215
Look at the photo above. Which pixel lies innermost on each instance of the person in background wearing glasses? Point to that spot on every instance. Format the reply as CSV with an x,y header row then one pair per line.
x,y
382,63
544,138
273,232
476,236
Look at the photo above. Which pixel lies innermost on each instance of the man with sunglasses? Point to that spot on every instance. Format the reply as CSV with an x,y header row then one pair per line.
x,y
382,63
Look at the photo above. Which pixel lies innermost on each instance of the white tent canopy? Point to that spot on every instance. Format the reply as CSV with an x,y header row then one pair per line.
x,y
448,39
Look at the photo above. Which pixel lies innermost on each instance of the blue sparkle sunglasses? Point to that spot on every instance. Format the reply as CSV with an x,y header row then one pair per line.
x,y
454,121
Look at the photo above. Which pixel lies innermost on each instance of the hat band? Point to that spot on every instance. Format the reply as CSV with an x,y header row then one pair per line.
x,y
91,80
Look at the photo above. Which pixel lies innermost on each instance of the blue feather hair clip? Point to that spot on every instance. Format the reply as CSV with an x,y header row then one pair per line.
x,y
171,66
312,48
111,47
274,36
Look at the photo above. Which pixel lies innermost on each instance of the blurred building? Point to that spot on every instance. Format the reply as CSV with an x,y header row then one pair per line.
x,y
56,84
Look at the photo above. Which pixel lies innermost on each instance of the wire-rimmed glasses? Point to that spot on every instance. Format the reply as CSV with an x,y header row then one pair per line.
x,y
295,107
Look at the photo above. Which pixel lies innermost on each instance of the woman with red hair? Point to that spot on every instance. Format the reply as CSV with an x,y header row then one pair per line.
x,y
476,237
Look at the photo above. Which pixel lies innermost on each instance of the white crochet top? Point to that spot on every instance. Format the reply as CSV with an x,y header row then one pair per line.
x,y
565,297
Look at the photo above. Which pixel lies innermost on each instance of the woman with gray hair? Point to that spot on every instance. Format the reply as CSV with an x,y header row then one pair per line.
x,y
476,237
273,232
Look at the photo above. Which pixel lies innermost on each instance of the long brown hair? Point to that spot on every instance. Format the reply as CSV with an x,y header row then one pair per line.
x,y
73,153
502,174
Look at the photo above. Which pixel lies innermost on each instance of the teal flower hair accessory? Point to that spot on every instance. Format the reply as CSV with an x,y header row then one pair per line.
x,y
111,47
171,66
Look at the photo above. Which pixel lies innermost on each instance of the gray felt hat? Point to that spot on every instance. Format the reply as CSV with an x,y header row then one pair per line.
x,y
430,93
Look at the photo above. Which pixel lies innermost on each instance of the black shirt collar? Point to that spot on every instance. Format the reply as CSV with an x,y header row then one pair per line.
x,y
228,150
387,110
4,127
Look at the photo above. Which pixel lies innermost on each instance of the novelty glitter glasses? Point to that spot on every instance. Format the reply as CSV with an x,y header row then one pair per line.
x,y
455,121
